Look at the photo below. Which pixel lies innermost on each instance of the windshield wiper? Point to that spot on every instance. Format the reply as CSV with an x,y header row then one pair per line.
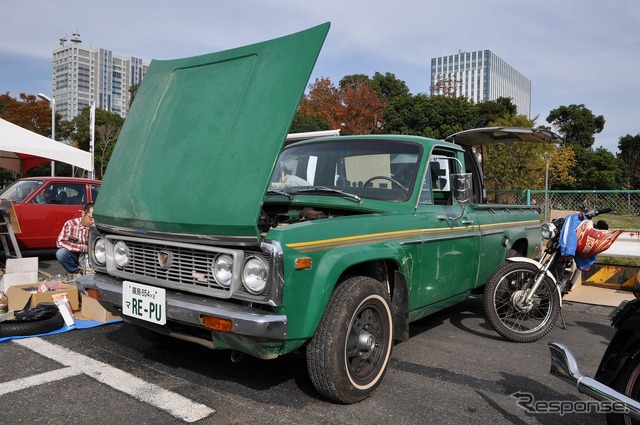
x,y
279,192
324,189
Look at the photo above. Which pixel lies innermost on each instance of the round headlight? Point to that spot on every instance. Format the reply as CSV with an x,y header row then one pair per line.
x,y
254,275
223,269
121,254
548,230
100,251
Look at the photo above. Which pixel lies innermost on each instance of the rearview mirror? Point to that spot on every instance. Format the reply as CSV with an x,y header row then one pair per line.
x,y
462,188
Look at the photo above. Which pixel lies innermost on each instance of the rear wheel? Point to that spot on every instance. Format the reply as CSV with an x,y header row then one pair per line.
x,y
627,383
347,358
506,310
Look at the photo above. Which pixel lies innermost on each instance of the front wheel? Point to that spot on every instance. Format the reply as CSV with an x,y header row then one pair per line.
x,y
506,310
627,383
347,358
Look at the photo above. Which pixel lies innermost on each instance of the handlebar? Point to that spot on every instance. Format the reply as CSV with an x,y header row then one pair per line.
x,y
590,214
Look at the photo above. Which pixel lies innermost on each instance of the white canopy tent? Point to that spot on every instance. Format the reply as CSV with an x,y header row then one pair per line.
x,y
21,150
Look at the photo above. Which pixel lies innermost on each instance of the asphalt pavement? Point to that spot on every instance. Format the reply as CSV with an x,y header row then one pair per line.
x,y
454,369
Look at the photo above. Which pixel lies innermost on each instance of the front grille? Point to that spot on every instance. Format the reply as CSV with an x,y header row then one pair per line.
x,y
188,267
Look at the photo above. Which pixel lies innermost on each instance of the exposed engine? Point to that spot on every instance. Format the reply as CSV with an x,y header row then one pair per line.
x,y
274,216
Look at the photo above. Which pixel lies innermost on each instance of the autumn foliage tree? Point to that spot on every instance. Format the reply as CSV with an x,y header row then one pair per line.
x,y
354,107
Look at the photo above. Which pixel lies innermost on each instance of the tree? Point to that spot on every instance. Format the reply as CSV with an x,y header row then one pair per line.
x,y
389,87
518,166
28,112
629,147
593,170
305,123
577,123
133,91
495,110
354,107
107,130
363,111
323,102
429,116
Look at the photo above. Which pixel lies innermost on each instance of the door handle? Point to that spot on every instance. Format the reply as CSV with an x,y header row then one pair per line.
x,y
467,222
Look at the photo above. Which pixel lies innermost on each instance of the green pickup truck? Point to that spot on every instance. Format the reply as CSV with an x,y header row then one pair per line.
x,y
209,230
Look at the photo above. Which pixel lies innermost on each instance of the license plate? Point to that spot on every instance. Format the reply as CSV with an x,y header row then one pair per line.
x,y
144,302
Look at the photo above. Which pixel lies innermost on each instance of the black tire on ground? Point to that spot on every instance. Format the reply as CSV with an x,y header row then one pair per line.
x,y
513,324
31,327
627,383
347,357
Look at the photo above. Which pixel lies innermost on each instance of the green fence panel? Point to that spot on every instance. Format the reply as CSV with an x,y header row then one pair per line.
x,y
625,203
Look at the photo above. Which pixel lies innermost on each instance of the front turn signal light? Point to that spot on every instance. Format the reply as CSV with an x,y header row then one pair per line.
x,y
217,324
302,263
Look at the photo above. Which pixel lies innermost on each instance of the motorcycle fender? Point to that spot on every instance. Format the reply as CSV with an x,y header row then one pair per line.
x,y
539,266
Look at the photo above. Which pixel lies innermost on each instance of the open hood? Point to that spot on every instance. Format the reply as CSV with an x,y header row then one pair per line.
x,y
198,147
490,135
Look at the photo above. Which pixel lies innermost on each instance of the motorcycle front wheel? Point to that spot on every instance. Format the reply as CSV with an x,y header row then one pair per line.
x,y
509,315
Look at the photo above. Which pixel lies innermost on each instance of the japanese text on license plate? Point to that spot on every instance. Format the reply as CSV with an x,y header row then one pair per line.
x,y
144,302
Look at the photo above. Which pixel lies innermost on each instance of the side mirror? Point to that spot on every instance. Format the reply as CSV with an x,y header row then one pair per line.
x,y
462,188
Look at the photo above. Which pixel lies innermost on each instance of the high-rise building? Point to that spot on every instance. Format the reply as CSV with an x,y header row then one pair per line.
x,y
480,76
84,75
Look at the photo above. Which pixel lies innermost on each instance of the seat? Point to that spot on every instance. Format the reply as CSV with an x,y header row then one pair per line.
x,y
62,198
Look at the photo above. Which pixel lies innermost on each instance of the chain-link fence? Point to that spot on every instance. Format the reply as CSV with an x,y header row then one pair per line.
x,y
625,203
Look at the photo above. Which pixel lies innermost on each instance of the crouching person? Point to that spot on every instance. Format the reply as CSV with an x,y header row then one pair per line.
x,y
73,241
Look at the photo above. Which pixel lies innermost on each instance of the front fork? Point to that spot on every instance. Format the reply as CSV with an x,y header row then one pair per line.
x,y
521,302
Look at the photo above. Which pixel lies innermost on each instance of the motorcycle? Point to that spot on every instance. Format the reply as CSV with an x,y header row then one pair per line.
x,y
523,298
616,381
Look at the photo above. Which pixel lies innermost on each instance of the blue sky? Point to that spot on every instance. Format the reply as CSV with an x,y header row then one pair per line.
x,y
573,51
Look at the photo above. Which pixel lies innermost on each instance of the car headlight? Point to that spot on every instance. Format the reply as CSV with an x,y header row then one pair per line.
x,y
254,275
100,251
548,230
222,269
121,254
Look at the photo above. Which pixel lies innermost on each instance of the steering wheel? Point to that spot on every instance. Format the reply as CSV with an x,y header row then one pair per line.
x,y
397,183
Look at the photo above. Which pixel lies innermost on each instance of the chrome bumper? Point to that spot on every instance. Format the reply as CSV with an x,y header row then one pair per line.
x,y
565,367
188,309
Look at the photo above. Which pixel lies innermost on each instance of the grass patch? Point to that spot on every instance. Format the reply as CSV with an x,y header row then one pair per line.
x,y
618,261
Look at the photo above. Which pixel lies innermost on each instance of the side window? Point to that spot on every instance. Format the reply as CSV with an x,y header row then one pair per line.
x,y
46,196
65,194
95,188
436,187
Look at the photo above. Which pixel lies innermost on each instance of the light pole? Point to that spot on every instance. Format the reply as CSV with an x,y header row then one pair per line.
x,y
52,102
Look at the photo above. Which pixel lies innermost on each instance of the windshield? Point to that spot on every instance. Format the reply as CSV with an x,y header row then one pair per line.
x,y
20,190
380,169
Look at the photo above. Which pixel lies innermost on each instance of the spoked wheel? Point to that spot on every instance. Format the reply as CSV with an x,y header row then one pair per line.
x,y
347,358
506,307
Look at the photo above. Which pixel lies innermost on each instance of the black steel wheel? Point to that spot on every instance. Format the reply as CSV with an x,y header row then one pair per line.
x,y
348,356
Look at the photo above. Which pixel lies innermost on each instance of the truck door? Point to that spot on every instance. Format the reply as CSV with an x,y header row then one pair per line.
x,y
450,238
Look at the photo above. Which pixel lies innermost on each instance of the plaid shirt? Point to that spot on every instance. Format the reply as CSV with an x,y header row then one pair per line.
x,y
73,236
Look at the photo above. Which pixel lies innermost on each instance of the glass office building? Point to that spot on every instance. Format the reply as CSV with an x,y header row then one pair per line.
x,y
480,76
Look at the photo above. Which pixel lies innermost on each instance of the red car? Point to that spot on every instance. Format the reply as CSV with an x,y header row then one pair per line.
x,y
41,206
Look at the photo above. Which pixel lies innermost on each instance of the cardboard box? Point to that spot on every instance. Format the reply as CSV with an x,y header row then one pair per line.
x,y
92,310
19,271
20,296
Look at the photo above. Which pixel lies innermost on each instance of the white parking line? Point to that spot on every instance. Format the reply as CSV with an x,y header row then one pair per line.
x,y
168,401
35,380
